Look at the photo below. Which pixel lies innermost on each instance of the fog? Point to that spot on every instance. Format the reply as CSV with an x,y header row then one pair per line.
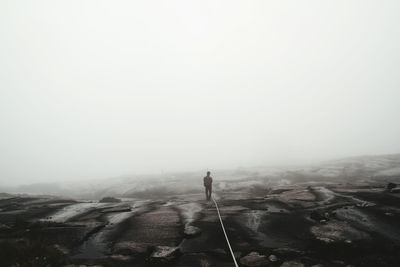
x,y
97,89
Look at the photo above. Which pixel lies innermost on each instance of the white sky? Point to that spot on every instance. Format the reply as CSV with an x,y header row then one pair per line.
x,y
93,89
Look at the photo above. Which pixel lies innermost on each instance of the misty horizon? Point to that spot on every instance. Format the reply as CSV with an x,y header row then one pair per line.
x,y
180,86
260,171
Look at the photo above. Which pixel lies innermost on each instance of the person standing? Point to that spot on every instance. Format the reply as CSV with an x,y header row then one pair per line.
x,y
208,185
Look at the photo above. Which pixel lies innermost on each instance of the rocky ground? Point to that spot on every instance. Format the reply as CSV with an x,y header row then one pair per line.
x,y
300,224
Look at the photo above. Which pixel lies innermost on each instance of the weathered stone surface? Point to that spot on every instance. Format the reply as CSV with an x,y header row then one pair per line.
x,y
109,200
219,252
94,231
191,231
292,264
128,248
61,249
82,265
319,215
195,260
254,259
119,208
3,226
287,251
337,232
122,258
273,258
159,227
165,253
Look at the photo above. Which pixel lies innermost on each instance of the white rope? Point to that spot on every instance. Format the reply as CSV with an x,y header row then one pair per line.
x,y
226,236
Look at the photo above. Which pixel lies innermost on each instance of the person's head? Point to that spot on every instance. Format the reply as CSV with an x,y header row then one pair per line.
x,y
208,173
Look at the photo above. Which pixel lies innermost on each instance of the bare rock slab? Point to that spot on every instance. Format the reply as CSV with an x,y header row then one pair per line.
x,y
165,253
192,231
254,259
130,248
292,264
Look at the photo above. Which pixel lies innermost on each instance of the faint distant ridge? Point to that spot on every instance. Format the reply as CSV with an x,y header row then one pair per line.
x,y
369,169
390,157
41,188
372,165
6,195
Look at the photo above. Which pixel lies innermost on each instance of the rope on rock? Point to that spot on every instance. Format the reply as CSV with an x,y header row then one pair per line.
x,y
226,236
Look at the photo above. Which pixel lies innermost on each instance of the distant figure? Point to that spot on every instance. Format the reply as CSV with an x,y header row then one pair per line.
x,y
208,185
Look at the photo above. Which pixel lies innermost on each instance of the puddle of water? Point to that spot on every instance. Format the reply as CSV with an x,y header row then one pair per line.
x,y
118,217
96,246
93,248
189,211
73,210
253,220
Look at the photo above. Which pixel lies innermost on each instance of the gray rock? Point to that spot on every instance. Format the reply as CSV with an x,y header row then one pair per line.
x,y
123,208
195,260
288,251
273,258
61,249
319,216
292,264
129,248
191,231
395,190
338,262
165,253
254,259
4,227
82,265
121,258
219,252
109,200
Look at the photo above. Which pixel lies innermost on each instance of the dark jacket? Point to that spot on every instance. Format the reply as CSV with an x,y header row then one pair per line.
x,y
207,181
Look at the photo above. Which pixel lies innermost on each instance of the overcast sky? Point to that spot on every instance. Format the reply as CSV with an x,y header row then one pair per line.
x,y
94,89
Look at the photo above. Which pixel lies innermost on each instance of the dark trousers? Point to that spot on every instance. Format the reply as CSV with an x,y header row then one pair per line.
x,y
208,192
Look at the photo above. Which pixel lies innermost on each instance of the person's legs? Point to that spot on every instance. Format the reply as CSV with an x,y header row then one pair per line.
x,y
209,192
206,189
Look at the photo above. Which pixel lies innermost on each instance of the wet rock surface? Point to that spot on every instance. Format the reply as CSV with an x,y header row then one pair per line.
x,y
130,248
165,253
292,264
288,252
254,259
192,231
273,258
109,200
297,224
